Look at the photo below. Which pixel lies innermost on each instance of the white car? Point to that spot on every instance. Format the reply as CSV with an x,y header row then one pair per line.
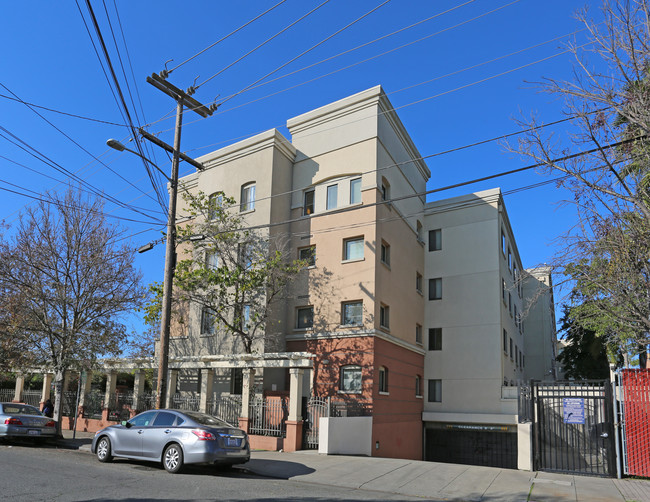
x,y
19,420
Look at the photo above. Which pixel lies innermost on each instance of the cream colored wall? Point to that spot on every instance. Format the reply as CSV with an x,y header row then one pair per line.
x,y
471,314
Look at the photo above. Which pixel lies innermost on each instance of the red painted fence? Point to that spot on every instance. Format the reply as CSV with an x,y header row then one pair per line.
x,y
636,407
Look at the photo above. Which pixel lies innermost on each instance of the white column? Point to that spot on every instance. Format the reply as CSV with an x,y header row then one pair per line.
x,y
111,381
172,379
207,381
295,394
20,385
138,387
247,389
47,387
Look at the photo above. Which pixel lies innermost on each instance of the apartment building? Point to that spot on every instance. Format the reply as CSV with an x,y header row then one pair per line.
x,y
413,310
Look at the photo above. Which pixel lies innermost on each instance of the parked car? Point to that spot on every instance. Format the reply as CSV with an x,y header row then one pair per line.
x,y
24,421
174,438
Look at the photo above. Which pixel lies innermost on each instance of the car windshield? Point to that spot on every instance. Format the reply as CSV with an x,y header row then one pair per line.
x,y
207,420
17,409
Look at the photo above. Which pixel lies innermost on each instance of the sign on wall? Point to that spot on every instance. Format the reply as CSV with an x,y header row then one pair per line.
x,y
574,410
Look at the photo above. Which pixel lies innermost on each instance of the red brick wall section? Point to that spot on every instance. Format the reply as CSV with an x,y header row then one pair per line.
x,y
397,416
636,402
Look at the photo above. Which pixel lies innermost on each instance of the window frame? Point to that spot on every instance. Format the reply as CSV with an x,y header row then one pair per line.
x,y
419,279
418,334
308,209
434,390
418,386
311,257
205,312
310,323
346,249
435,339
383,380
343,381
215,200
385,253
435,293
355,189
384,316
335,192
435,239
247,197
344,318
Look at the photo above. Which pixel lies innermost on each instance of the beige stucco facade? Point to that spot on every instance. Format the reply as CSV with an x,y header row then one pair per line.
x,y
350,184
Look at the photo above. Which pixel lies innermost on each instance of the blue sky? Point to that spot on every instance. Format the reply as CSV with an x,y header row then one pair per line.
x,y
458,78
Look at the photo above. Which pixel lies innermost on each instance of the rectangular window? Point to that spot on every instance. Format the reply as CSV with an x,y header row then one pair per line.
x,y
435,289
418,282
352,313
435,338
512,354
435,391
510,303
505,342
385,253
353,249
308,255
355,191
383,379
509,260
516,355
418,386
247,197
332,196
208,320
244,255
503,290
418,334
211,259
384,316
304,317
435,240
246,318
308,204
503,242
351,379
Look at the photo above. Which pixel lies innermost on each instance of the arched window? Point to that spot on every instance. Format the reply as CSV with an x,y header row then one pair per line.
x,y
215,201
247,200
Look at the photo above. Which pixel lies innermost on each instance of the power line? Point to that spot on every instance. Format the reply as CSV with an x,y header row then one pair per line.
x,y
263,43
61,112
167,72
307,51
75,142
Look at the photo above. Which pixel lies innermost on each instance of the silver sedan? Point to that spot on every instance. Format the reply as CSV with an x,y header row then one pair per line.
x,y
174,438
24,421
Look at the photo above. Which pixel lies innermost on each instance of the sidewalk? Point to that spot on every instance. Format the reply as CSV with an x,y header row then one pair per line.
x,y
430,480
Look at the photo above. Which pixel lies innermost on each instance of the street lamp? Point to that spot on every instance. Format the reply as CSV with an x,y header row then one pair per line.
x,y
170,250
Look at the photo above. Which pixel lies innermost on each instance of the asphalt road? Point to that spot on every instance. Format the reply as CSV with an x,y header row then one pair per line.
x,y
44,473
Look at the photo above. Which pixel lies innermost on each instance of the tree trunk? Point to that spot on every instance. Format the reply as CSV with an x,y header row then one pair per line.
x,y
58,399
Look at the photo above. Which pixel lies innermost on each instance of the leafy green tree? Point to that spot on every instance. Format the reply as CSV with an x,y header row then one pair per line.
x,y
233,273
66,278
585,356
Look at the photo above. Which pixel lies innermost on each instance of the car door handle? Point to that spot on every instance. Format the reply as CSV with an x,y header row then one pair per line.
x,y
140,431
168,431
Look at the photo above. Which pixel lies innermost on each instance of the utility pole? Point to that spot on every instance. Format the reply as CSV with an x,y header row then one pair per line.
x,y
182,98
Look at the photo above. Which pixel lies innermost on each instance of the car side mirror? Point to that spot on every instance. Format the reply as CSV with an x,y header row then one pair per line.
x,y
127,424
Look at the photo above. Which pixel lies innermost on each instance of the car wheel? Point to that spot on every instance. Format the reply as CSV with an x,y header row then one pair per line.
x,y
104,450
173,458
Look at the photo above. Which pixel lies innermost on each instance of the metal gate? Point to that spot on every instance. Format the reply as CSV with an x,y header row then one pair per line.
x,y
574,427
314,409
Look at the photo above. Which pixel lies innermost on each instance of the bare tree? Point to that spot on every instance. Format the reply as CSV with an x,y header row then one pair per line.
x,y
65,279
605,256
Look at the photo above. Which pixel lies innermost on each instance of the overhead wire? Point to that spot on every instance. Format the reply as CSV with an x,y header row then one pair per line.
x,y
290,25
227,36
122,100
306,51
72,140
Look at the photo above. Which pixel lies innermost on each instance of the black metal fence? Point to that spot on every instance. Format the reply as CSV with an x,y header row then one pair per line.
x,y
574,427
